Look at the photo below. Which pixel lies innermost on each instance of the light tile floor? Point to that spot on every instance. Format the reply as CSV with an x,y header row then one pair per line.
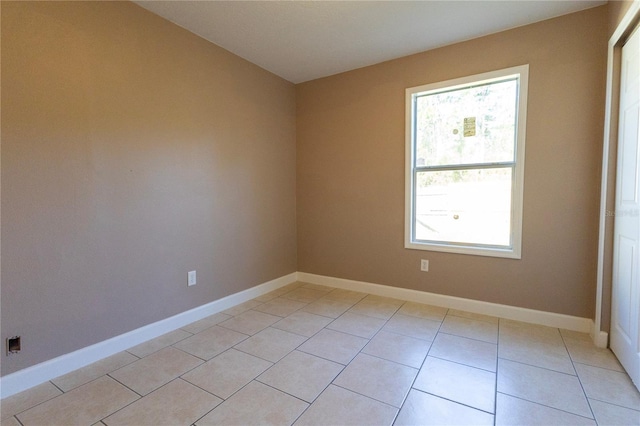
x,y
312,355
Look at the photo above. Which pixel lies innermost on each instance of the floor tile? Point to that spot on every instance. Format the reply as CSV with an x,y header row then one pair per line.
x,y
420,310
176,403
155,370
588,353
256,404
614,415
515,411
423,409
531,332
278,292
280,306
318,287
327,307
471,328
271,344
301,375
334,346
242,307
303,323
338,406
10,421
306,295
211,342
377,307
382,380
534,345
354,357
472,315
608,386
585,352
546,387
250,322
358,325
398,348
384,299
29,398
227,373
459,383
93,371
86,404
463,350
345,296
419,328
160,342
576,335
290,287
268,296
537,354
203,324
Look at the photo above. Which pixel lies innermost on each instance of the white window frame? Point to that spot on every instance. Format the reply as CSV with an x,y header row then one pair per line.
x,y
514,250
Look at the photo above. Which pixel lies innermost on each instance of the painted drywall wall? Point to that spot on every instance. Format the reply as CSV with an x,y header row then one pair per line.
x,y
350,187
133,152
617,10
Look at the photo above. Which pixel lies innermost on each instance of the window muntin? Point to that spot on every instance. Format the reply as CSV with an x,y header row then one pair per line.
x,y
465,162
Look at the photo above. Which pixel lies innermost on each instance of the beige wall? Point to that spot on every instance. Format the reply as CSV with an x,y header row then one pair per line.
x,y
132,152
350,192
617,9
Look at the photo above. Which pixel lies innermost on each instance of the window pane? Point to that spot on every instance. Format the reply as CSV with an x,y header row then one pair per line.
x,y
464,206
467,126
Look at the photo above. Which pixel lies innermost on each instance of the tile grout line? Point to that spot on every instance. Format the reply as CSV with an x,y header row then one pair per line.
x,y
239,350
537,366
546,406
558,372
272,364
59,388
495,398
465,337
404,400
615,405
584,391
132,402
350,361
456,402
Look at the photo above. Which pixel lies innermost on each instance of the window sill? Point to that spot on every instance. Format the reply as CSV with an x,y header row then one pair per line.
x,y
507,253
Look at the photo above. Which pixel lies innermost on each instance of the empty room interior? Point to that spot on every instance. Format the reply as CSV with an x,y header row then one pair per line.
x,y
321,213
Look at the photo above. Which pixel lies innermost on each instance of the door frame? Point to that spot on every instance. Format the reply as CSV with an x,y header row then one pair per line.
x,y
609,159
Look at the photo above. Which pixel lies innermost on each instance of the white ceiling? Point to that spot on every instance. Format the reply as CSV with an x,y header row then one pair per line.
x,y
305,40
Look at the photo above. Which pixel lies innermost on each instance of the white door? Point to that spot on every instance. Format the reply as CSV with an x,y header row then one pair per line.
x,y
625,309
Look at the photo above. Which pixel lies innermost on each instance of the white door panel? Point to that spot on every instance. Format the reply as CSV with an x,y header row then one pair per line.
x,y
629,128
626,259
625,300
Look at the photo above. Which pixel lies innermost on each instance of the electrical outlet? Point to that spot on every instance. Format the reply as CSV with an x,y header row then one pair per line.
x,y
191,278
424,265
13,345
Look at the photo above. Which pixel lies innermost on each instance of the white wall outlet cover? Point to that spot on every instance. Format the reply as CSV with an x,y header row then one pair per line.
x,y
191,280
424,265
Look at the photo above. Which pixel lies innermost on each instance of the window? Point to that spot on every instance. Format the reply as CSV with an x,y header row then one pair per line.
x,y
465,164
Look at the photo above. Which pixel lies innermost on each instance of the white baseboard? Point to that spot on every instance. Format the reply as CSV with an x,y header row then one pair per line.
x,y
600,338
584,325
40,373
